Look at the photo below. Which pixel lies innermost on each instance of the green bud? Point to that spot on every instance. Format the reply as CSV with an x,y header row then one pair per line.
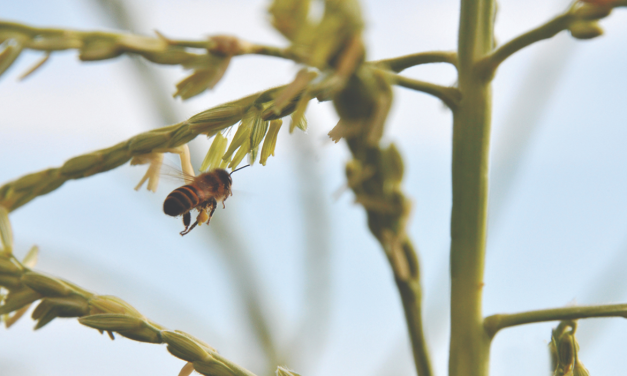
x,y
115,156
270,142
127,326
28,181
112,304
112,322
146,142
585,29
51,308
17,299
99,47
223,116
592,11
81,164
214,367
47,286
184,347
215,153
392,167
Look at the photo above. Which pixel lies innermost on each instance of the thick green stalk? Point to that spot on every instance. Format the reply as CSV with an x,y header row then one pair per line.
x,y
469,348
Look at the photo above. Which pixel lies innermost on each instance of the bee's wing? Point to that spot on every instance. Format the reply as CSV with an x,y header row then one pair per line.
x,y
174,173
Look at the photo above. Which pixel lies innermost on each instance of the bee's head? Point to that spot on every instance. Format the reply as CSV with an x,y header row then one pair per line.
x,y
224,177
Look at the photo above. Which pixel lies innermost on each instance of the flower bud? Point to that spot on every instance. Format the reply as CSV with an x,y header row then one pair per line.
x,y
585,29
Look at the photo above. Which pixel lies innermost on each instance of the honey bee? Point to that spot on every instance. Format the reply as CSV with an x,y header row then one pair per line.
x,y
202,193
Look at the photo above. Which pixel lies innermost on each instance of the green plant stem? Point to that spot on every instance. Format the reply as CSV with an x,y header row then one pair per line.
x,y
497,322
449,95
469,346
398,64
488,65
173,53
411,296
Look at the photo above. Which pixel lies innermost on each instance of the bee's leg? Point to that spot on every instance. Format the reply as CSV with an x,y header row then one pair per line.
x,y
187,218
186,231
211,207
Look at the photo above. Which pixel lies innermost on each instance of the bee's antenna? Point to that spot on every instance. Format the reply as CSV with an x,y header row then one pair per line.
x,y
239,169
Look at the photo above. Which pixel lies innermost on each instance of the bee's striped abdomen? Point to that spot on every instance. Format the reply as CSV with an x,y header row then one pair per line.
x,y
182,200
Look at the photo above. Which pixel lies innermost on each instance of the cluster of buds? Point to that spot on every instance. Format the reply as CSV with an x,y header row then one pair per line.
x,y
587,14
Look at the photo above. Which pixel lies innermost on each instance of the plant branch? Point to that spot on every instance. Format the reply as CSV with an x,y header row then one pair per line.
x,y
398,64
488,65
18,192
497,322
59,298
105,45
449,95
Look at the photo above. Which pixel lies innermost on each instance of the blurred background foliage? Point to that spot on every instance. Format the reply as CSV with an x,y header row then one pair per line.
x,y
288,274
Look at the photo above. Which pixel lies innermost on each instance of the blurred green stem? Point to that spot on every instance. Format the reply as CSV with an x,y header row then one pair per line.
x,y
449,95
411,295
469,346
495,323
488,65
398,64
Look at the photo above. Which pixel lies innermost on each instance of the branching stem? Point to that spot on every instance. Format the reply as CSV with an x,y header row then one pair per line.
x,y
487,66
497,322
398,64
449,95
